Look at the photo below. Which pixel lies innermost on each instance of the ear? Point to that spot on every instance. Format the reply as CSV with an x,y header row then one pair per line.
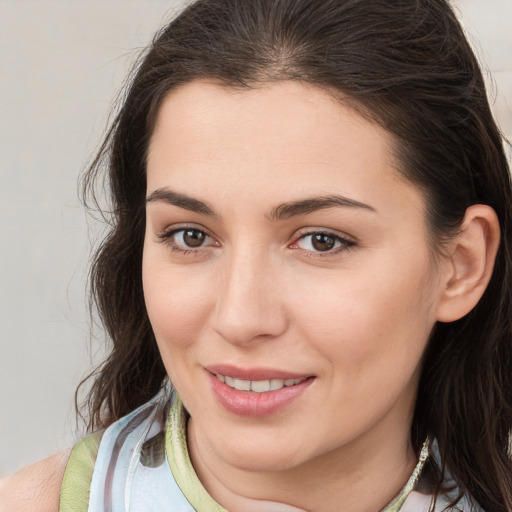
x,y
469,264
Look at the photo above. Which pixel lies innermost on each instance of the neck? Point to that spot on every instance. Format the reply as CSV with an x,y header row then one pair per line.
x,y
364,476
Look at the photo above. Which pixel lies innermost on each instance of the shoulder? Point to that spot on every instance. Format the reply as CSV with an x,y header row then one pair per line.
x,y
36,487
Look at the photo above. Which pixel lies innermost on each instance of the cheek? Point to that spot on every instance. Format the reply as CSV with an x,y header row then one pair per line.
x,y
363,319
176,302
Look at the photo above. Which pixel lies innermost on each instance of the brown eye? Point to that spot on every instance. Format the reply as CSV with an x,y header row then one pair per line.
x,y
188,241
322,242
193,238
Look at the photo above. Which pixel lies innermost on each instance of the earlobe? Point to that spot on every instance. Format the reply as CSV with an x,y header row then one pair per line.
x,y
470,263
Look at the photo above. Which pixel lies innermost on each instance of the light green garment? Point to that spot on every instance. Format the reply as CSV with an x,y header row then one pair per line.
x,y
74,495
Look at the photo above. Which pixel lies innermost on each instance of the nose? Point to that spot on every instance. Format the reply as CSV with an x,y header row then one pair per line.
x,y
249,303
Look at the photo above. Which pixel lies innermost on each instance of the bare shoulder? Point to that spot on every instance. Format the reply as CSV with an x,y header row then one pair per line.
x,y
36,487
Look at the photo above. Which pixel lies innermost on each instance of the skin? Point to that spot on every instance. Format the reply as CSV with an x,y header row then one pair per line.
x,y
257,293
36,487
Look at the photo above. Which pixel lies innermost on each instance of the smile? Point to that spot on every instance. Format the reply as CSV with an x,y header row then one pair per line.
x,y
258,386
256,391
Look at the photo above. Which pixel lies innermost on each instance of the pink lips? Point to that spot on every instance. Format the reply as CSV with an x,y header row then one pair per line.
x,y
248,403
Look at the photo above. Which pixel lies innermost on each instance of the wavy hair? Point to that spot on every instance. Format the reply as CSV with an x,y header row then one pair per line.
x,y
404,64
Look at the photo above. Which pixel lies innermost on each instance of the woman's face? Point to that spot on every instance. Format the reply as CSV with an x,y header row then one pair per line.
x,y
286,273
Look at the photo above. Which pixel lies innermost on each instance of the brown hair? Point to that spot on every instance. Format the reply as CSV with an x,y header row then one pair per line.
x,y
405,64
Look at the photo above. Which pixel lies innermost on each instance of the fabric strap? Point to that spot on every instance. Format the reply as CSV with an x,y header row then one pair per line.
x,y
74,495
181,466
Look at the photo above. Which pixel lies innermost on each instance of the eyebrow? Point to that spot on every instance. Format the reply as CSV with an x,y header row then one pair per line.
x,y
280,212
180,200
305,206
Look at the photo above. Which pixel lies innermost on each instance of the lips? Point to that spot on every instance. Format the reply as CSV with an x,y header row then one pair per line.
x,y
256,391
256,373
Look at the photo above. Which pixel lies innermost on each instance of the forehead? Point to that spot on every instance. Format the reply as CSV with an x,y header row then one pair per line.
x,y
268,115
281,141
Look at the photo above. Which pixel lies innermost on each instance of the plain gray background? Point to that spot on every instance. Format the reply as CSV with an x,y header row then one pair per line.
x,y
61,64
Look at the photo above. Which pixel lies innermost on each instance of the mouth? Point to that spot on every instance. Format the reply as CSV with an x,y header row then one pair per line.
x,y
257,391
258,386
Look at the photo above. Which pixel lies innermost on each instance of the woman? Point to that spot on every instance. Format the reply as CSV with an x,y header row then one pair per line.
x,y
311,240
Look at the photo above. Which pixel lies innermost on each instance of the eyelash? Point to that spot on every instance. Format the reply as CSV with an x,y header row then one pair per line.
x,y
344,242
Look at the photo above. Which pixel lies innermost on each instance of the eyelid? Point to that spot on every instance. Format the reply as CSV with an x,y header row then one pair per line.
x,y
314,230
174,228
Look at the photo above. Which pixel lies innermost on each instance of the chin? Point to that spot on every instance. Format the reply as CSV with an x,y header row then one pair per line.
x,y
260,464
264,456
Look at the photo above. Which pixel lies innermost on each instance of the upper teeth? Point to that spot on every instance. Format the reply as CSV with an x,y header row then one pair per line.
x,y
258,386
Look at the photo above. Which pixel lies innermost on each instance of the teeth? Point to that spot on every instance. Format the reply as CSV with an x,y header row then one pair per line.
x,y
257,386
277,384
242,385
260,386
